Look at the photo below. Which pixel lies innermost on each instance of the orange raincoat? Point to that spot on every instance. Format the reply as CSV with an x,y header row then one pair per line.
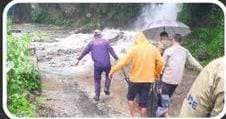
x,y
144,59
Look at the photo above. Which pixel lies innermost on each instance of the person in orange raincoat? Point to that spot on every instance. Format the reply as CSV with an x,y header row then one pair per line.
x,y
145,65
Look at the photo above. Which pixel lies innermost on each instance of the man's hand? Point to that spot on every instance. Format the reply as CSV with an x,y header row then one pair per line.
x,y
158,86
158,78
110,75
200,68
76,63
159,90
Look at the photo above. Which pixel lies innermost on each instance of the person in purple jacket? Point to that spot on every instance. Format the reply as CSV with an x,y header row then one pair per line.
x,y
100,51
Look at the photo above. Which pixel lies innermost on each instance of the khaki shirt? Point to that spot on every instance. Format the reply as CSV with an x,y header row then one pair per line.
x,y
206,96
175,58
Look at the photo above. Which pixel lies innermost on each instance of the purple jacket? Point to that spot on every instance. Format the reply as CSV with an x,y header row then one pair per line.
x,y
100,50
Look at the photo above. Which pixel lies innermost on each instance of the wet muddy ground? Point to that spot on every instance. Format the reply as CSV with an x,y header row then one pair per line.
x,y
63,97
67,90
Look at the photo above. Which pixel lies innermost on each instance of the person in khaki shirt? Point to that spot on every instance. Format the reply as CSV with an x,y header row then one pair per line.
x,y
206,96
175,57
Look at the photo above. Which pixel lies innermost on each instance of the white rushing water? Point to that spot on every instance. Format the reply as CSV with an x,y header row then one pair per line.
x,y
53,60
76,42
155,12
60,56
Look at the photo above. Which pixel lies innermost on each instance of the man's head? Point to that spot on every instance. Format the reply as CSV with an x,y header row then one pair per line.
x,y
177,38
165,40
164,35
97,33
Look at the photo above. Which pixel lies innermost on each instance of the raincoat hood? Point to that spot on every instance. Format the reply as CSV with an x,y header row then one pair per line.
x,y
140,39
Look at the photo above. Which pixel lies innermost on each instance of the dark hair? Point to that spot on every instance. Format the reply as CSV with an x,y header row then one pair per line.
x,y
177,37
164,34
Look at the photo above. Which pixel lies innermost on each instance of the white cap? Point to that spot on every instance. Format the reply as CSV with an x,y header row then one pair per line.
x,y
97,32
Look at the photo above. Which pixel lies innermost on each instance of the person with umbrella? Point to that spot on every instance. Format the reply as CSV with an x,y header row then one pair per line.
x,y
175,58
155,28
145,65
164,42
100,50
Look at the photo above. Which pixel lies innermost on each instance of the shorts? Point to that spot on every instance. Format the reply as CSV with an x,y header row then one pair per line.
x,y
140,89
168,89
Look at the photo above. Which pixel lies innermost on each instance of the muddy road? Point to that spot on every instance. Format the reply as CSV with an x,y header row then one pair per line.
x,y
68,90
63,97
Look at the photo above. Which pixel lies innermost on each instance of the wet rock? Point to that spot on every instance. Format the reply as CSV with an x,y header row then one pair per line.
x,y
16,31
36,92
48,99
45,111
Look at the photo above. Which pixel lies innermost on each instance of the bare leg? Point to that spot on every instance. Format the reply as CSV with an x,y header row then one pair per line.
x,y
137,107
131,108
143,112
166,114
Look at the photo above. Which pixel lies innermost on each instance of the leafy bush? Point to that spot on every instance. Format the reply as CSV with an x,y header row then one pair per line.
x,y
22,77
85,15
38,14
206,42
20,106
9,25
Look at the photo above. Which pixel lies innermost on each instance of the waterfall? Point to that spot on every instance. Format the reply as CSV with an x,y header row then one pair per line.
x,y
155,12
75,42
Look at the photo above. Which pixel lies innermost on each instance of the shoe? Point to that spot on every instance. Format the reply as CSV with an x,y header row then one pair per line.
x,y
107,92
96,98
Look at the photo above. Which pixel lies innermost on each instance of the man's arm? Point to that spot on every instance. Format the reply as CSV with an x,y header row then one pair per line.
x,y
193,62
165,58
159,64
124,61
85,51
112,52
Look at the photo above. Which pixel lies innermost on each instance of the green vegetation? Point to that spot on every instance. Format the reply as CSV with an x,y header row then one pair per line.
x,y
206,42
41,14
22,76
85,15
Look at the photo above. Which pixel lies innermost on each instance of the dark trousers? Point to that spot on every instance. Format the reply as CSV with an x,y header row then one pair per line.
x,y
168,89
140,91
97,78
